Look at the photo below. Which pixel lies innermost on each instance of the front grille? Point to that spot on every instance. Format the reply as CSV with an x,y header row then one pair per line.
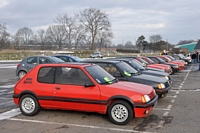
x,y
167,84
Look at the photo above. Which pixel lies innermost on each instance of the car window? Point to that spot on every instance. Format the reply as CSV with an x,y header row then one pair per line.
x,y
43,60
155,60
110,68
46,75
32,60
66,59
74,76
100,75
127,69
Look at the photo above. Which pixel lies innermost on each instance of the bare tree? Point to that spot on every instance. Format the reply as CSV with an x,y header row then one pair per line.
x,y
57,35
155,42
155,38
42,38
94,20
79,35
4,37
129,44
24,36
69,25
104,37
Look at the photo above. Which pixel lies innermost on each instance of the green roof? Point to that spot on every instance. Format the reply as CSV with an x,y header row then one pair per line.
x,y
189,46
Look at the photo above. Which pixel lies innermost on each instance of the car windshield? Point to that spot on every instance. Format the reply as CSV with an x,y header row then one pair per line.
x,y
143,61
161,60
152,62
100,75
127,69
137,64
77,58
55,59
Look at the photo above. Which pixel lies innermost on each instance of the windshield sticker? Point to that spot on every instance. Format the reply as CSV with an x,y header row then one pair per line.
x,y
127,74
107,80
143,64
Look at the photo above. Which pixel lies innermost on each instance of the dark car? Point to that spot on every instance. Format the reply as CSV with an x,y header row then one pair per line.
x,y
158,60
124,72
82,87
134,63
30,62
96,55
69,58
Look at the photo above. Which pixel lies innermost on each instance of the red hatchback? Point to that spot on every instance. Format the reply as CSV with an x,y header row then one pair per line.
x,y
82,87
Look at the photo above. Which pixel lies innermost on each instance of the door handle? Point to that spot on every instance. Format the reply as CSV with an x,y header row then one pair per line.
x,y
57,88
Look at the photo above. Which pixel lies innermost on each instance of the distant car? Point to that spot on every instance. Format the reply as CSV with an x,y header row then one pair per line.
x,y
69,58
30,62
182,57
82,87
96,55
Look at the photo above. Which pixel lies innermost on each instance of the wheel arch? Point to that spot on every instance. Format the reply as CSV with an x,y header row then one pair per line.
x,y
119,97
27,92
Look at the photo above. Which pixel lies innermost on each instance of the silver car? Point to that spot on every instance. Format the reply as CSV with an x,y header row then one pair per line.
x,y
96,55
30,62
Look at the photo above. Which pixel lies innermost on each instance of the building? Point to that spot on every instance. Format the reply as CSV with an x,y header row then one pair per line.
x,y
189,46
197,47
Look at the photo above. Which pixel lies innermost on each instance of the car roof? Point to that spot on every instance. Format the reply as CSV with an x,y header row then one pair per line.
x,y
102,61
69,64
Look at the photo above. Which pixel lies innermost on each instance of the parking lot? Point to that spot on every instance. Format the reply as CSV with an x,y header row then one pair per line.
x,y
177,112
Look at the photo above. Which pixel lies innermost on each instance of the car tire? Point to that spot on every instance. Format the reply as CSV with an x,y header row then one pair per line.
x,y
125,115
29,105
21,74
173,71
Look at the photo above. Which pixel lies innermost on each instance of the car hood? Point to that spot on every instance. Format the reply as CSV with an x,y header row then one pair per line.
x,y
147,79
154,73
122,86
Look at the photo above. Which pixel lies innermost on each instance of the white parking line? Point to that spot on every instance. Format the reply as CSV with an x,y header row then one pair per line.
x,y
7,86
10,114
166,114
77,125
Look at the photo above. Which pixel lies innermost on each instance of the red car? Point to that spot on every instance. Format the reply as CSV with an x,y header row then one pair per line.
x,y
181,64
82,87
165,67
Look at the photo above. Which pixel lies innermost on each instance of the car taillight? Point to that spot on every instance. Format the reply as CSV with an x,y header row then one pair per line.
x,y
18,65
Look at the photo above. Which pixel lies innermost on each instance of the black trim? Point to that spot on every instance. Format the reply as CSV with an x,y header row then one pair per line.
x,y
146,105
160,91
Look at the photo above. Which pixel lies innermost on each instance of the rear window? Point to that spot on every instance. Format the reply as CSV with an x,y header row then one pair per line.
x,y
46,75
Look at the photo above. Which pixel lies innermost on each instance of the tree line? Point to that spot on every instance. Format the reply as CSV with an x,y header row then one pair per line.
x,y
88,29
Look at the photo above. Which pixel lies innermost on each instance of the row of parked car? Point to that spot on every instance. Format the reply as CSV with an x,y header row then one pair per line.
x,y
122,87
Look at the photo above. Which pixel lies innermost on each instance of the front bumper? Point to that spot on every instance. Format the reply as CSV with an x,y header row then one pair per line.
x,y
143,109
163,91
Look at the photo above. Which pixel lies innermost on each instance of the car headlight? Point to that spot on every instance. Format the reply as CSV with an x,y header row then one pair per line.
x,y
166,77
175,66
161,86
145,99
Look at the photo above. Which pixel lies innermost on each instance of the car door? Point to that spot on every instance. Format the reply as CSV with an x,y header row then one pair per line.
x,y
70,92
45,87
31,63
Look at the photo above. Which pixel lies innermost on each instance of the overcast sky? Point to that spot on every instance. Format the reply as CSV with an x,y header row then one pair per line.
x,y
174,20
